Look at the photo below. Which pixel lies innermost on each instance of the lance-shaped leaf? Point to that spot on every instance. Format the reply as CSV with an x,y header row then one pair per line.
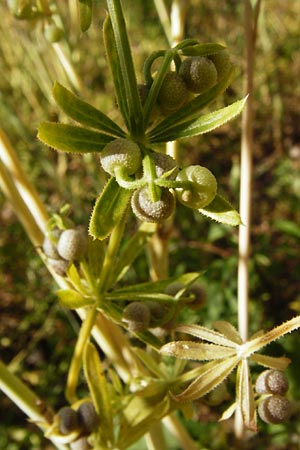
x,y
245,395
85,14
213,373
160,286
83,112
99,391
221,211
196,350
207,335
279,363
190,111
202,49
204,124
109,209
117,43
228,330
138,417
71,138
253,345
72,299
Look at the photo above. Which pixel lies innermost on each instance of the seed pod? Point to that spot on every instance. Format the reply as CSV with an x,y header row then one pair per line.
x,y
49,248
88,418
200,296
159,313
173,288
274,409
137,316
121,153
222,63
147,210
199,73
173,93
68,420
272,382
60,266
80,444
203,189
72,244
164,163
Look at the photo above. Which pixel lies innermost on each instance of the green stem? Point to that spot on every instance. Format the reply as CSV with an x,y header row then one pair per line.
x,y
176,428
155,438
110,256
83,338
127,67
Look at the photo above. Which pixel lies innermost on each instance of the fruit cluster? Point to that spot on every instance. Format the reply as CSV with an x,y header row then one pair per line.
x,y
273,406
65,247
82,422
156,180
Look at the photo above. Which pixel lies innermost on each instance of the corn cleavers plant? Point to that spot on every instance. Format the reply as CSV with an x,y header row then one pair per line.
x,y
137,373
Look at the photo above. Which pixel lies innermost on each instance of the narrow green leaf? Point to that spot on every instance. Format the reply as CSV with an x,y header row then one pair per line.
x,y
228,330
127,68
245,395
109,209
191,110
221,211
72,299
271,362
99,390
160,286
209,48
213,373
71,138
115,68
85,14
139,415
140,296
204,124
253,345
197,351
83,112
206,334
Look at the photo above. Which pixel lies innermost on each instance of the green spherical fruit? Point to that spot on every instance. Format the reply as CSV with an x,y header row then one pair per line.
x,y
222,63
173,93
147,210
199,73
203,188
121,153
49,248
72,244
68,420
137,316
88,417
272,382
274,409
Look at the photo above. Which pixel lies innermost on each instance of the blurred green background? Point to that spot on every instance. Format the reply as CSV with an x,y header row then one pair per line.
x,y
36,335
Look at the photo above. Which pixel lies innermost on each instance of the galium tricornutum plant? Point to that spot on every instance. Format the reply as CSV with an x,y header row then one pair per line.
x,y
142,387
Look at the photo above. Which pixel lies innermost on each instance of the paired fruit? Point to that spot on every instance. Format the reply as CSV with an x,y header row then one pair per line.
x,y
152,211
202,190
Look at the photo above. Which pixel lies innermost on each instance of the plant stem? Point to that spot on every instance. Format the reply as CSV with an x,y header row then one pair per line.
x,y
25,399
175,427
155,438
82,340
26,190
250,24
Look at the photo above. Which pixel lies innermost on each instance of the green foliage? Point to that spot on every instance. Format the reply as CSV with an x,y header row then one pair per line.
x,y
197,244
